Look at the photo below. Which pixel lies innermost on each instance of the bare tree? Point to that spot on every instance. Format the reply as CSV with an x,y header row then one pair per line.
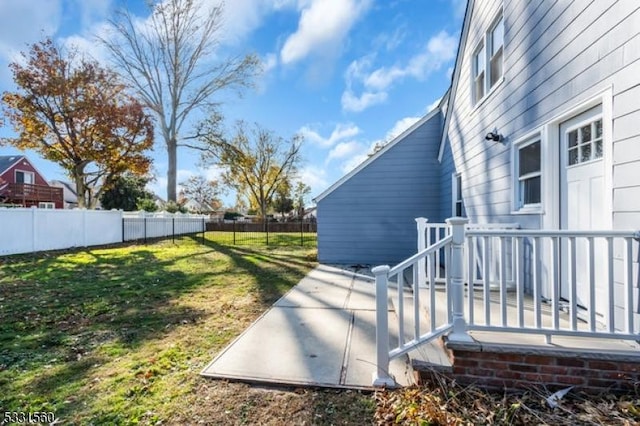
x,y
204,193
172,63
256,161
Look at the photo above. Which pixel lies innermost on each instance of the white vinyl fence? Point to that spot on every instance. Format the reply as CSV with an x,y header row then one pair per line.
x,y
27,230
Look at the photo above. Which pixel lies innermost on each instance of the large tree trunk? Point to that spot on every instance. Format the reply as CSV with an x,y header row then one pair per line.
x,y
172,169
78,176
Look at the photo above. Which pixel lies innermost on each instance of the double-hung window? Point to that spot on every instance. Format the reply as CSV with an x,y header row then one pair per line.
x,y
496,46
529,174
478,73
457,202
487,61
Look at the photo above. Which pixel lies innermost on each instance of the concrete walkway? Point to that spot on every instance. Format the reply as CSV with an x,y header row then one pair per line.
x,y
321,333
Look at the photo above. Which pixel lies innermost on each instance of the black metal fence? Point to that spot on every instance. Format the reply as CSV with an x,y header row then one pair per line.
x,y
159,227
301,233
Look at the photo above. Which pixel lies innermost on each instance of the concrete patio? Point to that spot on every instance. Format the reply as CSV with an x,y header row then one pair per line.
x,y
321,333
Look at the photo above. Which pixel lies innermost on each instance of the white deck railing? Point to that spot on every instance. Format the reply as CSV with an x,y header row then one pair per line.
x,y
571,283
581,283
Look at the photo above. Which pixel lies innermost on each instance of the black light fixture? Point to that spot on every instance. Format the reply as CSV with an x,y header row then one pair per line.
x,y
494,136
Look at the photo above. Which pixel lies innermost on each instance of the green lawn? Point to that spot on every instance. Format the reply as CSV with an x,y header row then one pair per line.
x,y
119,335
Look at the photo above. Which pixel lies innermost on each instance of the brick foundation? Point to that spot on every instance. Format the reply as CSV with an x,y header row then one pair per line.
x,y
522,367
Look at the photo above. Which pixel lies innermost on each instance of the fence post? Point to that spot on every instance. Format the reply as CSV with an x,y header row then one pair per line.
x,y
234,231
145,229
301,233
34,225
421,223
266,226
459,332
381,377
204,229
173,230
123,228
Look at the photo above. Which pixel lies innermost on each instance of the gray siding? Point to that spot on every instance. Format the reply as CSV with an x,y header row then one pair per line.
x,y
557,54
370,218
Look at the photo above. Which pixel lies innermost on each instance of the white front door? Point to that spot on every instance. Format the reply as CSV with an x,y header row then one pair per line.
x,y
582,205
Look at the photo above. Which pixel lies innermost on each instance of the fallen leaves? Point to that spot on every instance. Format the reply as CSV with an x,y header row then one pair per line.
x,y
444,402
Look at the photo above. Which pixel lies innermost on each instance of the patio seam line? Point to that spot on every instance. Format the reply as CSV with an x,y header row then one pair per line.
x,y
347,350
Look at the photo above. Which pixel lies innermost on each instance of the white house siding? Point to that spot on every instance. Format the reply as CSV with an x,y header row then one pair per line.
x,y
370,217
557,54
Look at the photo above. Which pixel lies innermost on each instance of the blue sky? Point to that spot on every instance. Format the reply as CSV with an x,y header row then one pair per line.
x,y
344,73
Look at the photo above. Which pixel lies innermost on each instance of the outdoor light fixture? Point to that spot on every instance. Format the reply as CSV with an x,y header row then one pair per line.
x,y
494,136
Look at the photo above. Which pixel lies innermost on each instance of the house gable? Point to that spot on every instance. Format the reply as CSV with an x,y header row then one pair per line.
x,y
12,163
368,217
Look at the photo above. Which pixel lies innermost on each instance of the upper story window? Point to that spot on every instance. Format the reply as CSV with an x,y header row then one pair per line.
x,y
478,73
490,51
496,39
24,177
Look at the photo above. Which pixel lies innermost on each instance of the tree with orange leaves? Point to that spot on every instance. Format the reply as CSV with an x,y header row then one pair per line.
x,y
76,113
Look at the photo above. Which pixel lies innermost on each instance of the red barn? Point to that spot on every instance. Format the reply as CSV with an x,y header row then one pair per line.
x,y
21,184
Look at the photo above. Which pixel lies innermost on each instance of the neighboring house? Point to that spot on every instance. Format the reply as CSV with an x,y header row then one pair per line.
x,y
22,185
310,214
68,193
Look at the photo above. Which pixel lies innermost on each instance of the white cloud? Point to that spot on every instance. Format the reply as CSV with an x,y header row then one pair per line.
x,y
375,84
400,126
269,62
25,22
92,11
323,26
439,50
354,103
340,132
433,105
344,149
213,173
315,178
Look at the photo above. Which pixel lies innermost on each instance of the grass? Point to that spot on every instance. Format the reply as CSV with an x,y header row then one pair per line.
x,y
119,335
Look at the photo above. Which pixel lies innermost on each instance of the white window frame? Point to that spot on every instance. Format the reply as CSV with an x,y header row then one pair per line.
x,y
485,47
26,173
517,206
498,22
46,205
477,73
456,194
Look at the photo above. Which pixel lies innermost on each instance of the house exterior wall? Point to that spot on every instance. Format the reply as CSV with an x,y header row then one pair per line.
x,y
557,56
370,218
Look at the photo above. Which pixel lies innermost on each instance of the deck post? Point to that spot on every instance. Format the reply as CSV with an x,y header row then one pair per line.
x,y
381,377
422,244
459,331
